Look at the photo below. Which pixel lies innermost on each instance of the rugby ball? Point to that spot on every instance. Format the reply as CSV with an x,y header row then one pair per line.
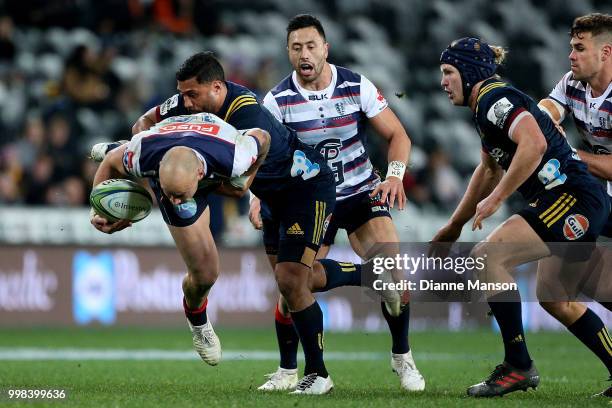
x,y
120,199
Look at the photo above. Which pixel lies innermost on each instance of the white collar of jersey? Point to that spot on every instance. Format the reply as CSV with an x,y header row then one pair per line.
x,y
588,92
329,90
201,158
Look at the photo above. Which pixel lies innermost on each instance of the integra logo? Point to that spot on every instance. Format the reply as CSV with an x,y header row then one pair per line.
x,y
317,97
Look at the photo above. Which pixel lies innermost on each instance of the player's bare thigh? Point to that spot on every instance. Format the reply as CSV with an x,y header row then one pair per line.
x,y
197,247
372,234
512,243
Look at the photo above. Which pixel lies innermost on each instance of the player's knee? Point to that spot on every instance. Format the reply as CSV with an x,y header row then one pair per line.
x,y
556,309
286,284
203,277
288,280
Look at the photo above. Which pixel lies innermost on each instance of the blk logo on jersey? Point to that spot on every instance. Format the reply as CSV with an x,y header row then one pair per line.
x,y
302,166
317,97
575,226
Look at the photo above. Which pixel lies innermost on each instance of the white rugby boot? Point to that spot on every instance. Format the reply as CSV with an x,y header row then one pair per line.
x,y
391,297
99,150
313,384
283,379
410,377
206,343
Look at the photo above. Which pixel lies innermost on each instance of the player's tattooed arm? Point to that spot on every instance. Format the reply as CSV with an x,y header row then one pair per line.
x,y
146,121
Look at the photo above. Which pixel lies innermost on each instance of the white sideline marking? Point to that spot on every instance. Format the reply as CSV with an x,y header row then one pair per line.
x,y
32,354
24,354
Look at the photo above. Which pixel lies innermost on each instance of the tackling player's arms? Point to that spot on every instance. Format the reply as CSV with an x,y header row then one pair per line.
x,y
553,109
599,165
111,167
146,121
238,186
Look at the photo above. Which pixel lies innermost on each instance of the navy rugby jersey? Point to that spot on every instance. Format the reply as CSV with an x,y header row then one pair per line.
x,y
224,151
499,109
242,110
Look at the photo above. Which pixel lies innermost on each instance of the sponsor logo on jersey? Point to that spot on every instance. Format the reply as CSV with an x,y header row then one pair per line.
x,y
550,174
329,148
207,129
170,103
295,229
186,209
380,97
302,166
498,113
575,226
319,97
497,153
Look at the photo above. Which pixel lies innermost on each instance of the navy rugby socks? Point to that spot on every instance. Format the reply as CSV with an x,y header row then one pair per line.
x,y
288,339
506,307
590,330
309,325
398,326
197,317
340,274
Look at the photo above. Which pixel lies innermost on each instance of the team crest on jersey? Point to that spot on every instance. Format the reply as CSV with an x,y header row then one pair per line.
x,y
575,226
340,108
302,166
498,113
170,103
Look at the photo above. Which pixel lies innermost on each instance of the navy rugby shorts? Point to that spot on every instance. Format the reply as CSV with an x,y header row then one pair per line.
x,y
354,211
295,220
568,214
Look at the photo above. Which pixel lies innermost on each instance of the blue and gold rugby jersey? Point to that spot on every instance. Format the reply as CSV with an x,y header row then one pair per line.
x,y
499,109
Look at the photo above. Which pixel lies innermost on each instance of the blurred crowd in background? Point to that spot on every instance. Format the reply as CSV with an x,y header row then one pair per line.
x,y
77,72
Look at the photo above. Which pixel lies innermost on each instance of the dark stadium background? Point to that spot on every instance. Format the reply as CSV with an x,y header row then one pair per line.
x,y
77,72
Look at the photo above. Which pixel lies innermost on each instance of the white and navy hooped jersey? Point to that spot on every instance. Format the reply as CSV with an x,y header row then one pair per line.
x,y
224,151
332,121
593,116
